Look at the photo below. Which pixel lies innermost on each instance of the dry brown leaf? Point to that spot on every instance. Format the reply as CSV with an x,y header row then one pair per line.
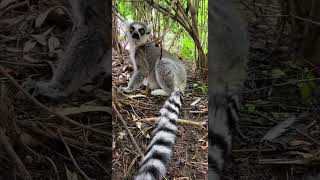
x,y
139,125
41,38
5,3
299,143
42,17
48,31
134,118
53,43
278,129
121,135
71,175
205,146
29,45
195,102
302,154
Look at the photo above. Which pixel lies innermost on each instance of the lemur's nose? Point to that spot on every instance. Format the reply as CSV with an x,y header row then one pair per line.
x,y
135,35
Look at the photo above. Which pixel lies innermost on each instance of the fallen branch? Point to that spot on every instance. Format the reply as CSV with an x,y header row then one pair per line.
x,y
288,161
179,121
42,106
127,129
72,158
13,155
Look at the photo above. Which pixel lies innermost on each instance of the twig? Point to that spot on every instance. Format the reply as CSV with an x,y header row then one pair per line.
x,y
34,130
179,121
13,7
72,158
42,106
9,149
23,64
288,161
283,84
127,129
305,19
47,158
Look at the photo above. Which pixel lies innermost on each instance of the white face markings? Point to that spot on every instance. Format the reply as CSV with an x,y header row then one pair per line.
x,y
137,34
137,29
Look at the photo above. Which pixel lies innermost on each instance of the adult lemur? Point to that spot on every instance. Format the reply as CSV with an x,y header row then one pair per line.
x,y
165,76
228,49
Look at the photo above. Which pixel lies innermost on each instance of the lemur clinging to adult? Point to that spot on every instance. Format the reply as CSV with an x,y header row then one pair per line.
x,y
166,76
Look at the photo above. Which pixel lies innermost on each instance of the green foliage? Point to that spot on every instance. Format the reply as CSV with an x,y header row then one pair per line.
x,y
177,40
277,73
308,87
201,87
125,9
187,50
250,107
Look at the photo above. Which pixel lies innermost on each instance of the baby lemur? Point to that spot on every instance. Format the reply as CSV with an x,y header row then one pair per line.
x,y
165,76
87,54
161,70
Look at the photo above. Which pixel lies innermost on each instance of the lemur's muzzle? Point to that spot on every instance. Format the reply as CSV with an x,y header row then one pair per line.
x,y
135,35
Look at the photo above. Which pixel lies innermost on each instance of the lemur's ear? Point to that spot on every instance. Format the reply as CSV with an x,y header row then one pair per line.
x,y
128,23
149,28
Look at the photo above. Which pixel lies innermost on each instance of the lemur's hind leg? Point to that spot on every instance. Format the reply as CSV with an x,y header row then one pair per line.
x,y
165,75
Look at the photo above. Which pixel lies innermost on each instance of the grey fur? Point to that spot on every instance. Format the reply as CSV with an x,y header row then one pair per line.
x,y
163,72
87,54
228,49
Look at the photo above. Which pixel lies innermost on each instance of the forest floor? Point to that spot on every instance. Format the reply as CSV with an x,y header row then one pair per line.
x,y
190,152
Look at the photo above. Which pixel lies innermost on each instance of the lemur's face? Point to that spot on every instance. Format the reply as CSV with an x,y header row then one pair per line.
x,y
138,32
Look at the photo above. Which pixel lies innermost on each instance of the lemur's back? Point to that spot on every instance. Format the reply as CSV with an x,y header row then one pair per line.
x,y
149,54
155,62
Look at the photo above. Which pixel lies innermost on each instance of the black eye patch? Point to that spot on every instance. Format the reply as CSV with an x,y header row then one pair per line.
x,y
131,29
141,31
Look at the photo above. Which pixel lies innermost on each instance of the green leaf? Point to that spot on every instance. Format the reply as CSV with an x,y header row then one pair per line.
x,y
277,73
250,107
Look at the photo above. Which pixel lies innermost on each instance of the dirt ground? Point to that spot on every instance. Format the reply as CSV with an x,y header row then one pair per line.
x,y
190,152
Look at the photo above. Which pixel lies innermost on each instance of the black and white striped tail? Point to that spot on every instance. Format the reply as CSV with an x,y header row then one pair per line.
x,y
158,154
223,118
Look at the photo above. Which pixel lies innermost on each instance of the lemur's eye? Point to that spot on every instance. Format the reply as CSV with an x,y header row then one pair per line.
x,y
141,31
131,29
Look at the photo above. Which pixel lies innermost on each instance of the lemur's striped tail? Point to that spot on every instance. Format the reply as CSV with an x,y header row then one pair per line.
x,y
158,154
223,118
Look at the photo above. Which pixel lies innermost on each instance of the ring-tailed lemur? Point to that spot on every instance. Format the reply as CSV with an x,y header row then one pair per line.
x,y
228,51
165,76
87,54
